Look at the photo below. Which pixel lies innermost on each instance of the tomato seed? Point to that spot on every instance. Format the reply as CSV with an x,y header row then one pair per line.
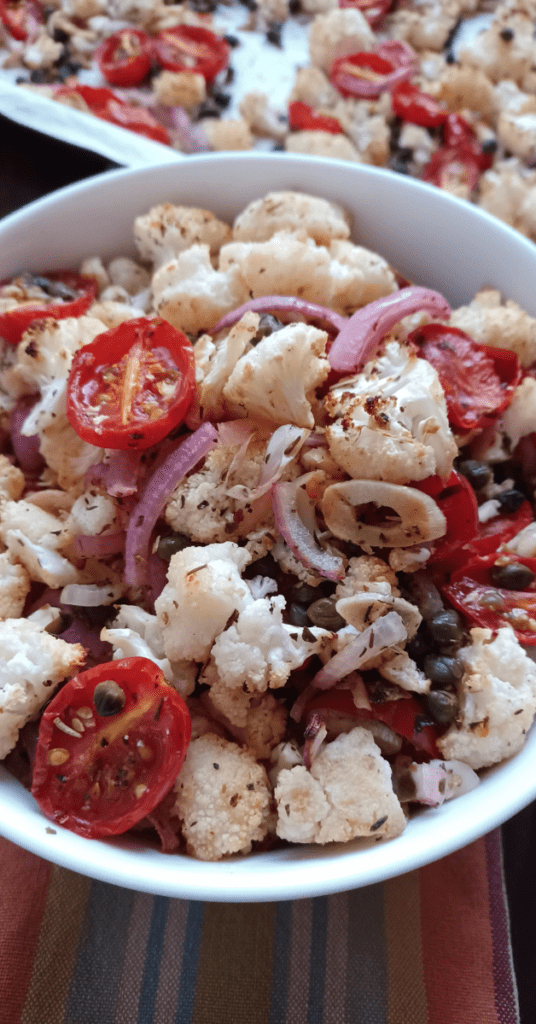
x,y
77,725
58,756
139,790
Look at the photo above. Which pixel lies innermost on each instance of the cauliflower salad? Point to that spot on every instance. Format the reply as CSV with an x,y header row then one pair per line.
x,y
268,553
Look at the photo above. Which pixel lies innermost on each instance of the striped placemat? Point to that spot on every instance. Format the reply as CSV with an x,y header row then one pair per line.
x,y
430,947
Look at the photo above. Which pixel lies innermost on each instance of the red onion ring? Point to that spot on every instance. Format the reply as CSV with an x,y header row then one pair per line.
x,y
385,632
100,546
298,536
119,475
176,119
26,449
157,491
371,323
365,90
281,304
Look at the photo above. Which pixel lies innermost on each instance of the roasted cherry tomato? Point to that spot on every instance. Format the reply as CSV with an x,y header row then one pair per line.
x,y
496,591
189,48
453,166
105,104
402,716
23,19
131,385
65,294
373,10
457,130
125,58
499,530
347,72
302,117
111,744
478,380
410,104
457,501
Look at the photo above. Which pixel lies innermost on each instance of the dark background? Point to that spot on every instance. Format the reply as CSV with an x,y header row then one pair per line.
x,y
31,165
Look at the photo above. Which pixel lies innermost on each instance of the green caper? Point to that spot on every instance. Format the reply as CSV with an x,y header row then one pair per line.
x,y
304,594
442,705
168,546
324,614
442,669
298,614
510,501
108,698
477,473
445,627
514,576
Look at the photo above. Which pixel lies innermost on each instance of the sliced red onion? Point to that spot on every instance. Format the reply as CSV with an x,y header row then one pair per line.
x,y
233,432
430,781
157,571
314,736
364,89
281,304
370,324
382,634
176,119
461,778
100,546
298,534
120,475
315,440
90,595
26,449
158,489
98,650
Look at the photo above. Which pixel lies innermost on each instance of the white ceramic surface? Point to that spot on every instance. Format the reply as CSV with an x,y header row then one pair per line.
x,y
432,239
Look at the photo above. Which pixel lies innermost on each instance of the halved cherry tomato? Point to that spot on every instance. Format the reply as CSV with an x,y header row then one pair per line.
x,y
111,744
499,530
457,501
457,129
132,385
69,294
478,380
105,104
410,104
453,166
346,72
125,57
402,716
301,117
22,18
373,10
474,592
189,48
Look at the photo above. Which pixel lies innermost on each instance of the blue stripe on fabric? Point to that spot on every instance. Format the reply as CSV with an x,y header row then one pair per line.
x,y
153,956
98,967
317,962
190,960
280,962
367,973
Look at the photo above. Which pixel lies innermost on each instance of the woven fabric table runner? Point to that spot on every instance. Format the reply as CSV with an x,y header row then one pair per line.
x,y
429,947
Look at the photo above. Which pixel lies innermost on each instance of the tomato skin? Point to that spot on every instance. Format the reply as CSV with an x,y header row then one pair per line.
x,y
400,715
21,19
457,501
86,386
301,117
120,766
105,104
410,104
472,591
460,163
373,10
499,530
478,380
15,322
125,57
190,48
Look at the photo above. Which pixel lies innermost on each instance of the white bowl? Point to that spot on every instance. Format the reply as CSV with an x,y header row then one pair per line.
x,y
434,240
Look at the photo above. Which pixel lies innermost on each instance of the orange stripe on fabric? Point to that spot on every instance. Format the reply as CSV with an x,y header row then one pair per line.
x,y
456,937
407,997
22,905
336,959
57,946
134,962
300,953
170,974
235,964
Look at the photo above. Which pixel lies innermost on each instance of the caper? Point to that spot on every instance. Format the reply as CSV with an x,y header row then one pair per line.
x,y
324,614
445,627
514,576
442,705
298,614
304,594
510,501
108,698
268,324
419,647
443,669
477,473
170,545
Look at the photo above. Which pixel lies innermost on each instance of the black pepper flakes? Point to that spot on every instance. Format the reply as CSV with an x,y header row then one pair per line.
x,y
378,824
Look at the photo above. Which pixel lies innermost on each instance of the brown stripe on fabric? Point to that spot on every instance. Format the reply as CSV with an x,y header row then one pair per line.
x,y
336,959
134,962
22,905
407,996
300,953
57,947
170,964
235,964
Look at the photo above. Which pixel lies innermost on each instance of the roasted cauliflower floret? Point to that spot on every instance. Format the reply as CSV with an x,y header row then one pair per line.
x,y
390,421
223,799
12,482
33,663
337,34
347,794
193,296
504,326
289,263
256,720
497,700
14,587
215,361
291,211
168,230
276,380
